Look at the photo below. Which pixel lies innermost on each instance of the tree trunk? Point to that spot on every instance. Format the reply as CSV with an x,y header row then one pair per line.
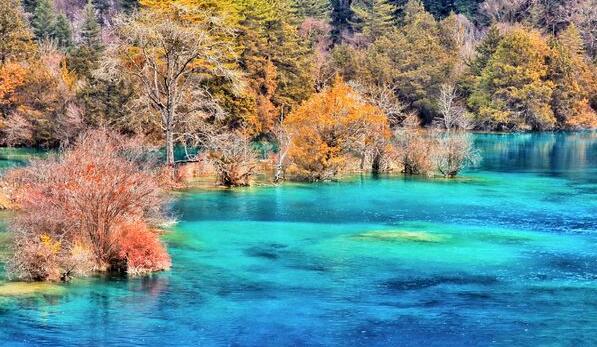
x,y
279,168
169,120
169,146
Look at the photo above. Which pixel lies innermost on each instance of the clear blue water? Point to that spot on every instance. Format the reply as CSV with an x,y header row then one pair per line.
x,y
505,255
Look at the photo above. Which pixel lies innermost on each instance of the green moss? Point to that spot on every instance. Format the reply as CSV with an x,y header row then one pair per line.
x,y
179,239
8,289
4,245
401,236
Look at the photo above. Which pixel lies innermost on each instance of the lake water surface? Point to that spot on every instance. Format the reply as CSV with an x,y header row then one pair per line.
x,y
504,255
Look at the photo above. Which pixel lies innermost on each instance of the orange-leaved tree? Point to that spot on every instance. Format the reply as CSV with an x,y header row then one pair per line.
x,y
329,129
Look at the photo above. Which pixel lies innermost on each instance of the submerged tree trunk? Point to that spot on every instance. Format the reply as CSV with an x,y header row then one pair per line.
x,y
376,164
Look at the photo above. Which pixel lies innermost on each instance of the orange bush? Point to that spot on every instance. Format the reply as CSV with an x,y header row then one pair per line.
x,y
329,129
141,250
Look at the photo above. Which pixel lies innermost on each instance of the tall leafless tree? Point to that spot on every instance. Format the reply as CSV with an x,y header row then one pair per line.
x,y
453,114
172,59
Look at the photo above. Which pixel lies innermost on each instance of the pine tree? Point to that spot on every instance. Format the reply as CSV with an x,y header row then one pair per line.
x,y
341,19
413,60
374,17
84,58
275,60
29,5
102,7
318,9
15,35
91,35
62,32
485,50
44,19
422,59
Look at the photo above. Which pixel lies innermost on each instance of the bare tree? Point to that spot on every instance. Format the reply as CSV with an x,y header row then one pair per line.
x,y
414,147
231,154
453,150
172,58
284,138
382,96
505,11
453,114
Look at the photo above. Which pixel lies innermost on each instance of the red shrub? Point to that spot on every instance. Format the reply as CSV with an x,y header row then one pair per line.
x,y
83,197
141,250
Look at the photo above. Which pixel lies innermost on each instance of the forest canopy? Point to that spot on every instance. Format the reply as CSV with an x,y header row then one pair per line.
x,y
177,71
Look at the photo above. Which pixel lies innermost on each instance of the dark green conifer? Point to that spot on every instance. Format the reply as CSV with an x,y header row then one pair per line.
x,y
62,32
44,19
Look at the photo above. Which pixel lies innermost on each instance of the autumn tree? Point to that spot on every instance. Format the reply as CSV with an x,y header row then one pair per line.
x,y
575,81
329,129
512,91
275,60
40,109
15,36
13,76
171,54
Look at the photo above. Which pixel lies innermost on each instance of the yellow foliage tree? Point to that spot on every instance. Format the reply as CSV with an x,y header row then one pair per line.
x,y
575,80
513,92
12,76
329,129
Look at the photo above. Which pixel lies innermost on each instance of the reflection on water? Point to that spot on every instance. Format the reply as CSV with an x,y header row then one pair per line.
x,y
13,157
503,256
549,153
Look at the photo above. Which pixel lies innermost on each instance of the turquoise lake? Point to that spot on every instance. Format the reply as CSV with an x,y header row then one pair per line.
x,y
504,255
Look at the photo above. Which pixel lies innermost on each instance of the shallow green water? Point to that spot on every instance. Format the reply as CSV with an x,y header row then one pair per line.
x,y
13,157
505,255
